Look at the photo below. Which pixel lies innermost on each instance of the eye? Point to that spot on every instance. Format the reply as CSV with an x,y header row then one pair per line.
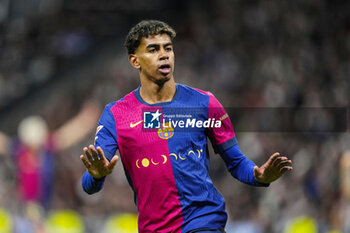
x,y
152,50
168,49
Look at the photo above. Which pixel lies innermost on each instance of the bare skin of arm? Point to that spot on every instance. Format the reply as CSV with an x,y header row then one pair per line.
x,y
78,127
4,144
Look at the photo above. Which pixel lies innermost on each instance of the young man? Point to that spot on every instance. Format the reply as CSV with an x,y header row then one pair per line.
x,y
161,131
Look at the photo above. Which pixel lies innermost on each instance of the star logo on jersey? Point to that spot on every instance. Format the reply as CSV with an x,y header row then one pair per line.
x,y
151,120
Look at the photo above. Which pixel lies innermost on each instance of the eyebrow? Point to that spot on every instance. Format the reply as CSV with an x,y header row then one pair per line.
x,y
157,45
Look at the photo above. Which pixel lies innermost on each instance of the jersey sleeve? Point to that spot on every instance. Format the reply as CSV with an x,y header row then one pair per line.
x,y
222,137
106,133
90,184
240,166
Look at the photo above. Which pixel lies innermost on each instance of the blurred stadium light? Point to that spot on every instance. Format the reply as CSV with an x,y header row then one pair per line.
x,y
64,221
302,224
5,221
121,223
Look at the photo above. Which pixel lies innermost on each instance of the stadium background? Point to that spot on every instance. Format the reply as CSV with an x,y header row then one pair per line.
x,y
58,54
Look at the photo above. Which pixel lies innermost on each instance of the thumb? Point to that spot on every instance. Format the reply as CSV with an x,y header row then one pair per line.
x,y
113,162
257,172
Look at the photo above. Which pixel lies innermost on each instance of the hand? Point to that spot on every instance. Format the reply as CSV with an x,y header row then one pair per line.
x,y
96,163
272,169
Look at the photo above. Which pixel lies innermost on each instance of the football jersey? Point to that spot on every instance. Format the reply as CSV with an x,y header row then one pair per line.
x,y
35,171
163,148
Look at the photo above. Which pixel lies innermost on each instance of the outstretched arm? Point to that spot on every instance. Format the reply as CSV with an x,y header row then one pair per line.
x,y
97,168
247,172
240,166
100,162
78,127
4,144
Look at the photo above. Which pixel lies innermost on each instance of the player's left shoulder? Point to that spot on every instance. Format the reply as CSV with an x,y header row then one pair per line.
x,y
194,91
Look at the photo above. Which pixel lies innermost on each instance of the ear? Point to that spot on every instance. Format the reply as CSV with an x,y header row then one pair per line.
x,y
134,61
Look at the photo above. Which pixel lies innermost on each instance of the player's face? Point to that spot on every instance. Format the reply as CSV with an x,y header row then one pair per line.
x,y
155,58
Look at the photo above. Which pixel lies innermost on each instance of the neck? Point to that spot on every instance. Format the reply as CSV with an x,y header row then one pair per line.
x,y
152,92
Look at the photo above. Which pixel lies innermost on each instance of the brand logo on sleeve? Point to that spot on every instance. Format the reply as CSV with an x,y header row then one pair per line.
x,y
98,130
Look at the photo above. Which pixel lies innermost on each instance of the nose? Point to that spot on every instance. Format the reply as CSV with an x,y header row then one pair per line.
x,y
163,54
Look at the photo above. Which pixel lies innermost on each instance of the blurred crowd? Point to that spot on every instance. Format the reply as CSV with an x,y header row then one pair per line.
x,y
58,56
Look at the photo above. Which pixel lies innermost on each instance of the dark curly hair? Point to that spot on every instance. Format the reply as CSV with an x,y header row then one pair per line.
x,y
146,28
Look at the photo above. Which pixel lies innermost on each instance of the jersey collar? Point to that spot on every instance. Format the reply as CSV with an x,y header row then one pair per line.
x,y
138,97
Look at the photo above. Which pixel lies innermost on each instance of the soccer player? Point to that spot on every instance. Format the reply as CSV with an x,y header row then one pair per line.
x,y
34,149
161,131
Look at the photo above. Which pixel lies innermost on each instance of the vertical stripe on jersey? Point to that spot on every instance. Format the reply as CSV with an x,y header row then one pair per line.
x,y
146,158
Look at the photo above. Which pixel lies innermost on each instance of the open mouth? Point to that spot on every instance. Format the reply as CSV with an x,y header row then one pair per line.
x,y
165,69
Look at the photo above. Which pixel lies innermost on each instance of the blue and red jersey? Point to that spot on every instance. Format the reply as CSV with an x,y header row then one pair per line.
x,y
35,171
167,166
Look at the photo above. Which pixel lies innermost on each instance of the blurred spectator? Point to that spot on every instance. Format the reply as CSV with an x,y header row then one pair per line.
x,y
34,150
122,223
64,221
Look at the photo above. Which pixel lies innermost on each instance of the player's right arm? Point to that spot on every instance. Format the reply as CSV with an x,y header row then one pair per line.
x,y
97,168
100,159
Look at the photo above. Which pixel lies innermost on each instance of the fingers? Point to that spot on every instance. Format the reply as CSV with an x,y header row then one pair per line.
x,y
87,154
94,152
86,163
101,153
91,154
95,160
113,162
282,164
273,158
278,160
286,168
